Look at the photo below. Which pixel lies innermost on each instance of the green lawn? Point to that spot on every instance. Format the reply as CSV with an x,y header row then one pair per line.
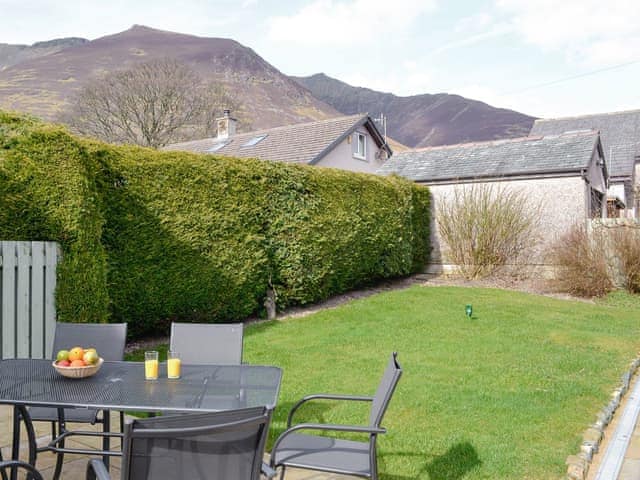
x,y
504,395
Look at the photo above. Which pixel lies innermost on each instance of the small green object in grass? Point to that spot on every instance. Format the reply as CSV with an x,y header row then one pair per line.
x,y
469,310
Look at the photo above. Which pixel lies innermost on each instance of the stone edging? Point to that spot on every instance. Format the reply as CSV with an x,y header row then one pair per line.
x,y
578,465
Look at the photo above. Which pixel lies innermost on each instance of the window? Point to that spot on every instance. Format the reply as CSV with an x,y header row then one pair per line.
x,y
218,146
254,141
595,204
360,146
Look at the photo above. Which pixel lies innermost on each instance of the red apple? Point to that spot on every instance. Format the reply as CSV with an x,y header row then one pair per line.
x,y
63,363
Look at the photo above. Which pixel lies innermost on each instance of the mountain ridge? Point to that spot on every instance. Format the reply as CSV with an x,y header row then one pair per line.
x,y
422,120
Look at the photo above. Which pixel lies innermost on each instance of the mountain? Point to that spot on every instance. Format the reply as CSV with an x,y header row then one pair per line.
x,y
14,54
422,120
42,79
45,85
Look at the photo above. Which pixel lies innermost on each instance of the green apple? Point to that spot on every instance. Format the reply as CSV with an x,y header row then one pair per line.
x,y
62,355
90,357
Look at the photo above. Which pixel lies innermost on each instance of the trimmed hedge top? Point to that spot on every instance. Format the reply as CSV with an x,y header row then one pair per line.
x,y
151,237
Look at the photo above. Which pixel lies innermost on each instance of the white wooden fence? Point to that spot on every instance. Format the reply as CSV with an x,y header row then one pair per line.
x,y
27,289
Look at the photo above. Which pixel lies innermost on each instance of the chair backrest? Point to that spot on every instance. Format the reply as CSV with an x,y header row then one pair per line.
x,y
109,339
197,343
225,445
385,390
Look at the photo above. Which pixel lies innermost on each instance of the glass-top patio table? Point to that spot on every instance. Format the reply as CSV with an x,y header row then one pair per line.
x,y
122,386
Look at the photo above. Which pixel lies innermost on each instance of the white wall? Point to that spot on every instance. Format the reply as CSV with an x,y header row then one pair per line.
x,y
562,203
342,156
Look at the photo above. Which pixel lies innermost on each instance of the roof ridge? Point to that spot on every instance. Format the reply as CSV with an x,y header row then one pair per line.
x,y
357,116
503,141
573,117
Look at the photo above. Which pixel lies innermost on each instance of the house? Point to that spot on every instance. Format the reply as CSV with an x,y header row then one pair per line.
x,y
620,136
565,176
349,143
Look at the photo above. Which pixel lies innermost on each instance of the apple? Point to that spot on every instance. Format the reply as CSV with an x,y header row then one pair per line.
x,y
90,357
63,363
62,355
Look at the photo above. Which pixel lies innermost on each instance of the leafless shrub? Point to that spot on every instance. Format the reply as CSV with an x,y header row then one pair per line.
x,y
151,104
626,245
582,261
486,228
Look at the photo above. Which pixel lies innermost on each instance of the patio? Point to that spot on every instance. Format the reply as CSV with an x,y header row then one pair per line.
x,y
75,465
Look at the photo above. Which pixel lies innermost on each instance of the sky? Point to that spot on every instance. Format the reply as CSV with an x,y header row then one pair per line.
x,y
546,58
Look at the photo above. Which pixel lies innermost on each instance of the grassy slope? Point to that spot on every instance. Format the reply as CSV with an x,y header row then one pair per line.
x,y
506,394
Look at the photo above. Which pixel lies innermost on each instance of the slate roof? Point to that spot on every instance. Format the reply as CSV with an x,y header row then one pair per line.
x,y
522,156
619,134
299,143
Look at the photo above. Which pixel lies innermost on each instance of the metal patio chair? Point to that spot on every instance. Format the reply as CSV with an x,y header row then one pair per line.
x,y
109,340
328,454
214,343
222,445
197,343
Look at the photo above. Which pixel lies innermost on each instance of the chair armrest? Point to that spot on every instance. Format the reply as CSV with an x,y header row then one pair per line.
x,y
267,471
324,396
96,469
33,473
323,427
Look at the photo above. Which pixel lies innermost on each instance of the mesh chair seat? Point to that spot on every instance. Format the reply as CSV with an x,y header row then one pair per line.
x,y
77,415
324,453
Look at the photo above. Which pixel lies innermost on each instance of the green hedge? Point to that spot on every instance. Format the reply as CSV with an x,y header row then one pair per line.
x,y
48,192
150,237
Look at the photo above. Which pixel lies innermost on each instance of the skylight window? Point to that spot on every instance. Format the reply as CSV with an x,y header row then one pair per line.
x,y
218,146
254,141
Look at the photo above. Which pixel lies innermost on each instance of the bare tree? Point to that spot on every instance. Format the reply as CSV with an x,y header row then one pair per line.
x,y
151,104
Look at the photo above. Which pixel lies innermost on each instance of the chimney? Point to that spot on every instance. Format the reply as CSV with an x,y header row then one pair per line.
x,y
226,125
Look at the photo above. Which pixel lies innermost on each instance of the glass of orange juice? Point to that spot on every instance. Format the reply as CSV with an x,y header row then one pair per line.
x,y
151,365
173,364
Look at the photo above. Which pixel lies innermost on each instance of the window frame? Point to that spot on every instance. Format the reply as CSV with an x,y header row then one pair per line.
x,y
356,150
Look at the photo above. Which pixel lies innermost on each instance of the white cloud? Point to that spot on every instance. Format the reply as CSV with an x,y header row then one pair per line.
x,y
346,22
496,30
561,102
589,32
477,22
408,78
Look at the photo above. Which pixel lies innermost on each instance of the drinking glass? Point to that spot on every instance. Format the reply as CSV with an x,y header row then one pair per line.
x,y
151,365
173,364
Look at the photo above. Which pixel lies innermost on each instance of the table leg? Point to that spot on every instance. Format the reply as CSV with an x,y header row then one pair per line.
x,y
106,427
62,427
15,444
21,412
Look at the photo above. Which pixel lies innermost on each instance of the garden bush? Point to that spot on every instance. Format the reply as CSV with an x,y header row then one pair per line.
x,y
626,246
582,260
486,228
150,237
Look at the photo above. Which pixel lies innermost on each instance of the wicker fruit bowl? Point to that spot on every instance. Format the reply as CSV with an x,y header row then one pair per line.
x,y
79,372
